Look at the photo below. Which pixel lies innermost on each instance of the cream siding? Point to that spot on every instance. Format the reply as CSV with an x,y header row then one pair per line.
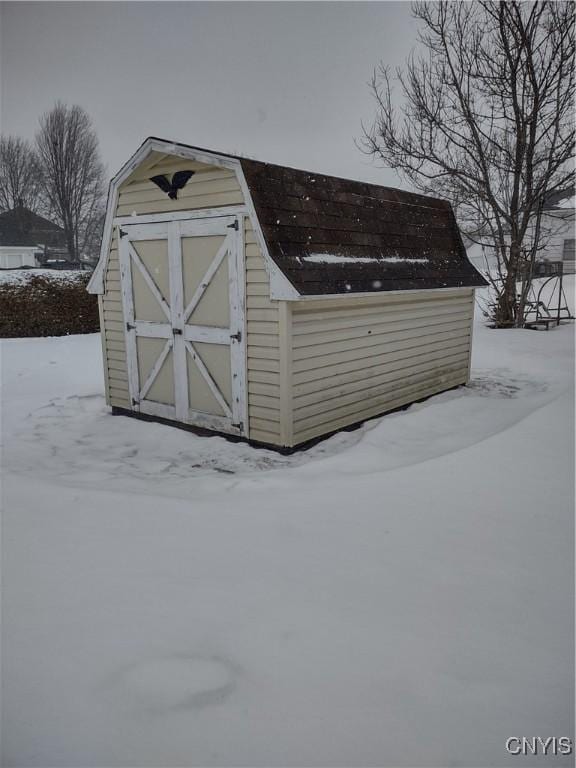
x,y
210,187
355,358
263,349
114,344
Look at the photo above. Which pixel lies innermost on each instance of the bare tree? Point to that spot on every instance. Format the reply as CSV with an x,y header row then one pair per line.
x,y
19,174
93,232
72,173
485,120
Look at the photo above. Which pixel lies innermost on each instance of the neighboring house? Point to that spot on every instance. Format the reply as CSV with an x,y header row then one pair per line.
x,y
558,229
29,240
557,235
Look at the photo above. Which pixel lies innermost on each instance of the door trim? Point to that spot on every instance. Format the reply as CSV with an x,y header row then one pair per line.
x,y
176,300
147,329
172,229
202,213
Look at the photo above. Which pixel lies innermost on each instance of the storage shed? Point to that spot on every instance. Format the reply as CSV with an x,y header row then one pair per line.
x,y
275,304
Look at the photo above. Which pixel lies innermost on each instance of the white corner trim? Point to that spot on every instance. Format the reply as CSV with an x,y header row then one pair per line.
x,y
286,383
471,340
280,287
96,282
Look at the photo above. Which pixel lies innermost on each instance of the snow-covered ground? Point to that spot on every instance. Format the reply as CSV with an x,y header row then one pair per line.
x,y
400,595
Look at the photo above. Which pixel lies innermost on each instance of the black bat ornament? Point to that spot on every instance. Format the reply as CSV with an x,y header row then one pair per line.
x,y
179,181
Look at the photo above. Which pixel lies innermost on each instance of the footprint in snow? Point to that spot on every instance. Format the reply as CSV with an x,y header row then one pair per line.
x,y
503,386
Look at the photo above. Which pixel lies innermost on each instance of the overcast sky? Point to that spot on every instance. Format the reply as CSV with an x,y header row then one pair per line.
x,y
281,82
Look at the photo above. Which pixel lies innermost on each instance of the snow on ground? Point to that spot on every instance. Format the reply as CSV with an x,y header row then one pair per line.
x,y
22,276
397,595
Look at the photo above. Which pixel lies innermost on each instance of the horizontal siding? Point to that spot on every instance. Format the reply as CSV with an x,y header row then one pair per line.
x,y
312,378
262,346
338,420
210,187
116,369
354,340
370,344
354,360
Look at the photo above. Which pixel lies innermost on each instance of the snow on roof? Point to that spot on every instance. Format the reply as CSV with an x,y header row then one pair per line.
x,y
332,258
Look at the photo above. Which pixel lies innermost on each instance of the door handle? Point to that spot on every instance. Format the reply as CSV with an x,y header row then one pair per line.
x,y
177,331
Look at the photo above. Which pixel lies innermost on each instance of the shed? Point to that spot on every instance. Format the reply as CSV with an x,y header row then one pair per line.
x,y
275,304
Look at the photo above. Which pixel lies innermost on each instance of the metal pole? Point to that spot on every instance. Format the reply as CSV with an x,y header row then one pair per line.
x,y
560,292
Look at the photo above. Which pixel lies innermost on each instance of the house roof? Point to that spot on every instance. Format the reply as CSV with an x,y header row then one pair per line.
x,y
22,227
560,199
328,235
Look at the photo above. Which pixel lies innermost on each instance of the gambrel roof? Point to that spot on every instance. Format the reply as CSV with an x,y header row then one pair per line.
x,y
333,235
327,235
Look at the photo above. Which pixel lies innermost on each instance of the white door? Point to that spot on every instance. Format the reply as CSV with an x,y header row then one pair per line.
x,y
183,299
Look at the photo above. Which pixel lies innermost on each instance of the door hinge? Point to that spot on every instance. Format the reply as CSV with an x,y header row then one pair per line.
x,y
122,233
234,225
130,327
135,402
237,336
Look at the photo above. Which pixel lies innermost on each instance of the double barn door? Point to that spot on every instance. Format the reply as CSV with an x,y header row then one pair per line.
x,y
183,299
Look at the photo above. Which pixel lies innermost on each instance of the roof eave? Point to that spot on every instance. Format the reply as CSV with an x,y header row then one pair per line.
x,y
380,294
